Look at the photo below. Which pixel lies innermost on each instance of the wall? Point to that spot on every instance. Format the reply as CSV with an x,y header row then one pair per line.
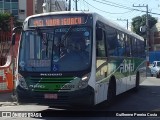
x,y
26,8
155,37
30,9
22,9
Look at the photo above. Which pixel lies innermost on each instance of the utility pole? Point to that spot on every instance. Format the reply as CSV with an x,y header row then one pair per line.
x,y
124,20
147,32
69,5
76,5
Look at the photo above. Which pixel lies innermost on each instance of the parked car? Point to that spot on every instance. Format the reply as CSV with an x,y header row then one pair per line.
x,y
155,69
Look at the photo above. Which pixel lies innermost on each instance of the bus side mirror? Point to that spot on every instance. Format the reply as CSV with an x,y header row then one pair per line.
x,y
99,34
13,38
14,31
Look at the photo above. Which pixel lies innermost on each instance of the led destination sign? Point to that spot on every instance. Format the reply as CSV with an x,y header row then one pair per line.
x,y
56,21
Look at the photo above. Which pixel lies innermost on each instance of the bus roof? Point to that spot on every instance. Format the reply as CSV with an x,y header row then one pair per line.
x,y
95,15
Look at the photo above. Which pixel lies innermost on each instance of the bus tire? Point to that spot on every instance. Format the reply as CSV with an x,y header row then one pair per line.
x,y
18,100
111,91
158,75
137,82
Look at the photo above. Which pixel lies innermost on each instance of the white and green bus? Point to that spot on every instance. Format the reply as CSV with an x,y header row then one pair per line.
x,y
76,58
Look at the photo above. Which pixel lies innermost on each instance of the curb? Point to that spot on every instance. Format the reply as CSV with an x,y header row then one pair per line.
x,y
8,104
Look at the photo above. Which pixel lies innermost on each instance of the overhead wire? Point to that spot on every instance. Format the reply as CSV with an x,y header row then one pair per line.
x,y
119,6
124,7
84,8
113,4
105,11
127,7
135,12
86,5
109,3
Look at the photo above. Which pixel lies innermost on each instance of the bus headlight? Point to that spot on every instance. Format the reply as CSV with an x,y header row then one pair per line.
x,y
22,82
83,82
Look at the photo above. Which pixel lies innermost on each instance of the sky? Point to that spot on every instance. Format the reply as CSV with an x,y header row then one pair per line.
x,y
119,9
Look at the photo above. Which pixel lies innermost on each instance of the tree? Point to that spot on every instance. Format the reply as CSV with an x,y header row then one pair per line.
x,y
7,21
139,21
4,21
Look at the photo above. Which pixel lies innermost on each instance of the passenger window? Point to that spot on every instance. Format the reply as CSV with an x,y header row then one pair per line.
x,y
111,41
100,43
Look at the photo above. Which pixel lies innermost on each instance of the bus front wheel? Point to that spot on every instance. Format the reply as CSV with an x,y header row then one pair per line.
x,y
111,91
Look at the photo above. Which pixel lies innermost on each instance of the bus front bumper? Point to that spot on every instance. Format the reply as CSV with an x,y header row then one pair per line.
x,y
73,98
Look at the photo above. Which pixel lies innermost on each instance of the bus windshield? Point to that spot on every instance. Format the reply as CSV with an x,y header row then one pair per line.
x,y
59,49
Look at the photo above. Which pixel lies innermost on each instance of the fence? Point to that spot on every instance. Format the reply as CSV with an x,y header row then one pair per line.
x,y
5,43
6,64
6,76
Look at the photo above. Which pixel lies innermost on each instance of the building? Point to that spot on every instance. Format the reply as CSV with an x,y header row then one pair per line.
x,y
51,5
54,5
60,5
155,37
19,8
26,8
30,7
38,6
10,6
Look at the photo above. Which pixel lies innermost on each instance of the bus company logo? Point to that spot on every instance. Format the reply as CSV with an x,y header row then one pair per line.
x,y
37,86
6,114
20,114
126,67
51,74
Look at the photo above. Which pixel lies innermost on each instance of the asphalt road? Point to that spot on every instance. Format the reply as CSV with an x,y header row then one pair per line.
x,y
147,99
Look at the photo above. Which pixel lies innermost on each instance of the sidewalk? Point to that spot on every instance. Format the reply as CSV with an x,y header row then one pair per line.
x,y
6,99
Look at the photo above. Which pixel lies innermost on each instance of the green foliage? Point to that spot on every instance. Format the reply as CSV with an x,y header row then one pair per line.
x,y
4,21
16,22
139,21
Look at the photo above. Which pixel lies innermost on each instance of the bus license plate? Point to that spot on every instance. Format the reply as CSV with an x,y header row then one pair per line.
x,y
50,96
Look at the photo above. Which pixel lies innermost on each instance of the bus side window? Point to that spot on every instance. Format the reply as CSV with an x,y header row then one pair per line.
x,y
100,43
111,40
127,47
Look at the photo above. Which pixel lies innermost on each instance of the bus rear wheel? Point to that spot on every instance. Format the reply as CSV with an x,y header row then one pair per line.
x,y
158,75
137,82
